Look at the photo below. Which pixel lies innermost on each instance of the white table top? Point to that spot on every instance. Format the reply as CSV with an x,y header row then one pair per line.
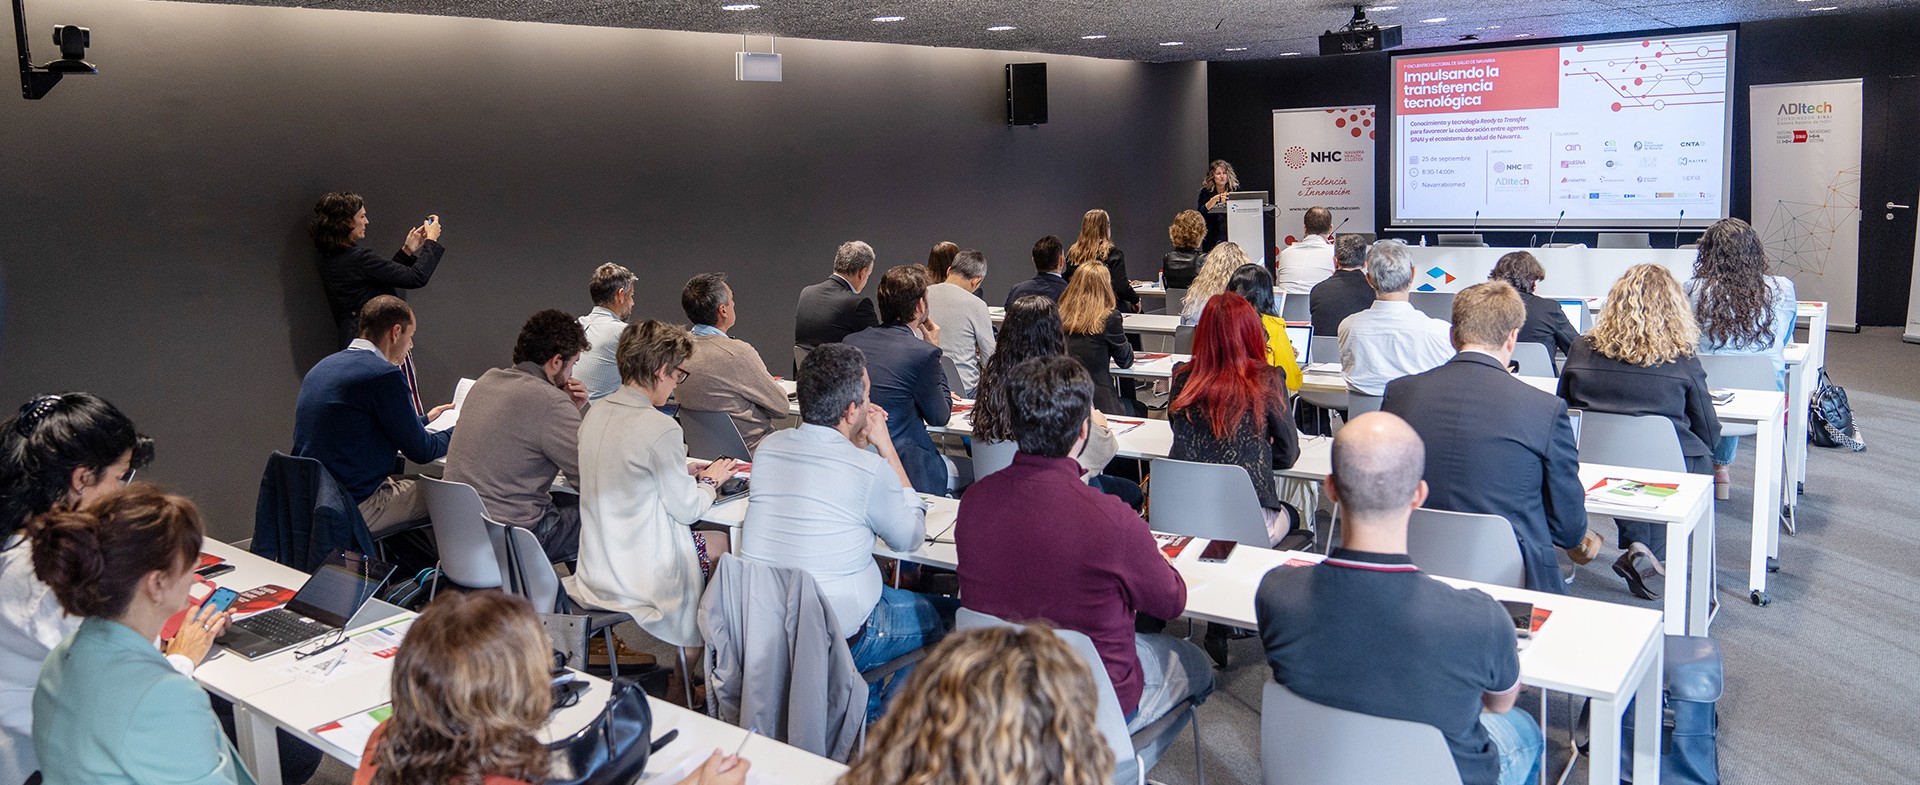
x,y
1159,367
1144,323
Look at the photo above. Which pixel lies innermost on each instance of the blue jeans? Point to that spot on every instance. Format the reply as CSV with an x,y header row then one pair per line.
x,y
901,622
1516,736
1724,449
1172,670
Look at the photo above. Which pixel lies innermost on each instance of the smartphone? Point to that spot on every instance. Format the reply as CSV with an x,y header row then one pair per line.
x,y
1217,551
430,219
1522,615
214,570
221,599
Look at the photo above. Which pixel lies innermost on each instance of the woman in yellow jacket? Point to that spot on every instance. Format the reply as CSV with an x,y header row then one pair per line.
x,y
1254,283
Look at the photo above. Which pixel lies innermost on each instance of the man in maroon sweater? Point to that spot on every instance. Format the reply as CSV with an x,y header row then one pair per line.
x,y
1037,543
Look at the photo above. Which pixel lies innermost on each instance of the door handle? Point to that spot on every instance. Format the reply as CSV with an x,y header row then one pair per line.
x,y
1892,206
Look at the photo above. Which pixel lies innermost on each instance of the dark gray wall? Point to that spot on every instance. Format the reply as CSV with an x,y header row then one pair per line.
x,y
153,233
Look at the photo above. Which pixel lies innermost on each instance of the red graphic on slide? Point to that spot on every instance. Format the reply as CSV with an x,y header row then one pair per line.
x,y
1354,121
1296,157
1655,73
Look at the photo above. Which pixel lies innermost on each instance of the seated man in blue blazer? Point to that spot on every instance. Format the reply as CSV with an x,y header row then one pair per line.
x,y
903,363
1049,264
1495,445
355,413
833,309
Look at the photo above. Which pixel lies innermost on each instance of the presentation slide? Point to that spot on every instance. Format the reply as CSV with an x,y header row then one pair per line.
x,y
1622,133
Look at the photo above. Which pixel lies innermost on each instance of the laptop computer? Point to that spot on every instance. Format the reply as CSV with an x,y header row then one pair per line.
x,y
324,604
1577,314
1300,334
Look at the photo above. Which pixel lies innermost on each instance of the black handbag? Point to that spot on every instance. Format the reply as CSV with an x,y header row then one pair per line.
x,y
613,748
1831,419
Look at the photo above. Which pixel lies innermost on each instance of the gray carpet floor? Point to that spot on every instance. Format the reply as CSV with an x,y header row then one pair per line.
x,y
1822,686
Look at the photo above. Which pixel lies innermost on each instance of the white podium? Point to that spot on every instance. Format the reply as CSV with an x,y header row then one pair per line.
x,y
1246,223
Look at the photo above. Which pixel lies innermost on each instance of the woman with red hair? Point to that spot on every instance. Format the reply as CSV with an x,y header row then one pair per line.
x,y
1230,406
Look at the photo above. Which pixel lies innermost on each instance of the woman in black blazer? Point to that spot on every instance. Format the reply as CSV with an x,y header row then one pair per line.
x,y
1180,265
1095,244
1639,359
1219,182
1095,335
1546,324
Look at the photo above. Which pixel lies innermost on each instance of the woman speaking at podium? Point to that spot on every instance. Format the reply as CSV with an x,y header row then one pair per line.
x,y
1219,182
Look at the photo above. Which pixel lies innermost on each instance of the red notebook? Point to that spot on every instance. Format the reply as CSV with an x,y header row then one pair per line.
x,y
260,599
1172,544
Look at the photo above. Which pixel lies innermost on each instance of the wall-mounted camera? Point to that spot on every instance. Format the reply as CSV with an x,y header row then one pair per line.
x,y
73,40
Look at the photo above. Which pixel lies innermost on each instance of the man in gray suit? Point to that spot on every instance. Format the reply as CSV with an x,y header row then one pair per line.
x,y
1495,445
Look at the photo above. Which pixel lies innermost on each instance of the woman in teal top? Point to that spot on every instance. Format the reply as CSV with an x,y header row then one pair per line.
x,y
110,708
1741,310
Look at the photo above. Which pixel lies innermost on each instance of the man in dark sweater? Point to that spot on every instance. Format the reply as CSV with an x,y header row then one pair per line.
x,y
354,413
1344,293
1365,631
1049,257
1037,543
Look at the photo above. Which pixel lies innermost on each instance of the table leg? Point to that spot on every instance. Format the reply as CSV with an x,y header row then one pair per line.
x,y
1700,571
1647,713
1603,746
1679,564
258,744
1766,510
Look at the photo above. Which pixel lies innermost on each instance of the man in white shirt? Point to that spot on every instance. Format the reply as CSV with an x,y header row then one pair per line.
x,y
1391,339
612,292
1309,260
966,330
820,497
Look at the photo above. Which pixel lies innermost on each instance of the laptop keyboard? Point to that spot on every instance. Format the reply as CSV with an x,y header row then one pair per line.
x,y
283,626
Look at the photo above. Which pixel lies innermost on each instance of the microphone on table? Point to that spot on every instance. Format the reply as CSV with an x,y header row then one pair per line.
x,y
1343,222
1476,222
1676,228
1556,227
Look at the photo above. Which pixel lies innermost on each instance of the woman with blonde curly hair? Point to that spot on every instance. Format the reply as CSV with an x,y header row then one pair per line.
x,y
1181,264
1219,182
1215,272
1003,705
1639,359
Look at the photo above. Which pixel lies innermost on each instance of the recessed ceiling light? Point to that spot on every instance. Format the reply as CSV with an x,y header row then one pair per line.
x,y
888,18
1000,28
1493,27
1435,20
739,7
1522,35
1173,43
1289,54
1094,37
1383,8
1827,8
1236,49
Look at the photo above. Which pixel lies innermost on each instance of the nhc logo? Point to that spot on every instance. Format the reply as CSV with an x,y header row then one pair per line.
x,y
1296,157
1792,108
1324,156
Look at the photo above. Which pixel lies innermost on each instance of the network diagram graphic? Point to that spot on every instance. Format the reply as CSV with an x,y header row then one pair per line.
x,y
1800,236
1654,73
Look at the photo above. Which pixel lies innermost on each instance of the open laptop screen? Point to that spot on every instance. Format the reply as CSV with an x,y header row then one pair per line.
x,y
1576,311
1300,334
344,582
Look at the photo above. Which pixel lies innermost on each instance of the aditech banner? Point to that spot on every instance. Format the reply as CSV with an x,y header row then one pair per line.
x,y
1806,139
1323,157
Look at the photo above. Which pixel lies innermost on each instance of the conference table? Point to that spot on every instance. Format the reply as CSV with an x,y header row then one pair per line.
x,y
1140,323
1606,652
280,692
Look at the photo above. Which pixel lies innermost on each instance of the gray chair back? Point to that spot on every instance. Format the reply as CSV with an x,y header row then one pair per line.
x,y
1183,339
1306,743
1438,305
951,370
1466,546
468,553
1739,372
1211,500
1296,308
990,457
1624,240
1535,359
712,435
1361,403
799,356
532,575
1646,441
1176,299
1107,715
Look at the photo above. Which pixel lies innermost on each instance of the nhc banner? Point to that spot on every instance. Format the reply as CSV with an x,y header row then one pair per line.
x,y
1806,188
1323,157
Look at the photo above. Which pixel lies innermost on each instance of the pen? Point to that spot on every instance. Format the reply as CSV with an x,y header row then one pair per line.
x,y
335,664
743,742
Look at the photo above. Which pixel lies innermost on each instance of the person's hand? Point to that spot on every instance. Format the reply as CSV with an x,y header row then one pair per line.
x,y
719,770
415,239
432,228
435,412
195,638
1099,418
876,431
930,331
575,389
719,471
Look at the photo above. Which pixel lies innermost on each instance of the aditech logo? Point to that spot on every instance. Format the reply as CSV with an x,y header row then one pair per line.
x,y
1517,181
1795,108
1295,157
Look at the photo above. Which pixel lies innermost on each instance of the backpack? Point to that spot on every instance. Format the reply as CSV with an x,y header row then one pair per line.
x,y
1830,418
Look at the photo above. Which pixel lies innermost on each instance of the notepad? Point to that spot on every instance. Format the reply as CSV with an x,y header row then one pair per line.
x,y
451,417
351,733
1631,493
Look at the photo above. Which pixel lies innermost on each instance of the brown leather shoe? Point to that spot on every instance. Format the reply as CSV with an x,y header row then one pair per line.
x,y
1588,550
629,658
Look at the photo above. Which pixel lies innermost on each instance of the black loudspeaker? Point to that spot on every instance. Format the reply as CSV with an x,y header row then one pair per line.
x,y
1026,93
